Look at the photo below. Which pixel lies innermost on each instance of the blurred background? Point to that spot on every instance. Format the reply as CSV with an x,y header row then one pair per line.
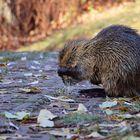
x,y
45,25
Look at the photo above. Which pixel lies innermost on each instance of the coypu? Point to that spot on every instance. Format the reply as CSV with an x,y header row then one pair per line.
x,y
111,58
66,59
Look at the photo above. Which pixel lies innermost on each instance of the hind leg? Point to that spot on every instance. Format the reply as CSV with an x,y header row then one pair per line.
x,y
116,88
110,88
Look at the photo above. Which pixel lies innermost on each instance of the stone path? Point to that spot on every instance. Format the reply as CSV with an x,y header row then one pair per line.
x,y
20,71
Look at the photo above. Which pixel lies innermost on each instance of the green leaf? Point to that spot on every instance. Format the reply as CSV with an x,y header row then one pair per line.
x,y
22,115
10,115
108,112
19,115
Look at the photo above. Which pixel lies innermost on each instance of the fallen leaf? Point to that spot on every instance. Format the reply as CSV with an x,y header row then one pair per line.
x,y
30,90
3,65
63,133
13,125
115,118
24,58
64,112
28,74
128,103
25,89
108,112
33,83
72,136
44,113
46,123
125,116
123,109
51,97
4,137
10,115
95,135
65,99
82,108
45,117
108,125
60,98
19,115
36,62
108,104
3,91
5,82
11,63
33,67
38,75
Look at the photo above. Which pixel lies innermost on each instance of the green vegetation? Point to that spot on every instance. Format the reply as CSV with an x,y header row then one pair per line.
x,y
128,14
76,118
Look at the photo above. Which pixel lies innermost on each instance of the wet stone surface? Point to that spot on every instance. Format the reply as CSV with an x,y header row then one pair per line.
x,y
20,71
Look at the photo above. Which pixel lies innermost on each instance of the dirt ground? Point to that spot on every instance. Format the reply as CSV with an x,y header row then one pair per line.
x,y
19,71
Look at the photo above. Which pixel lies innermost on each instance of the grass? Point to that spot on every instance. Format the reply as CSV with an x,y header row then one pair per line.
x,y
93,22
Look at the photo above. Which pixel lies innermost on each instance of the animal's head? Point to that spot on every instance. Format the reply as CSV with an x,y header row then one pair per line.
x,y
71,68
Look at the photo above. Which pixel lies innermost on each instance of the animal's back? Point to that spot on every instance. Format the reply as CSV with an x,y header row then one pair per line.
x,y
111,58
117,49
116,29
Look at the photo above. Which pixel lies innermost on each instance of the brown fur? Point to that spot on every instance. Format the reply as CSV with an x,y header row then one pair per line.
x,y
111,58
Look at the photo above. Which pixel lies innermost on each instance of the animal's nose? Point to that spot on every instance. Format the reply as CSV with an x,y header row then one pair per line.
x,y
61,71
